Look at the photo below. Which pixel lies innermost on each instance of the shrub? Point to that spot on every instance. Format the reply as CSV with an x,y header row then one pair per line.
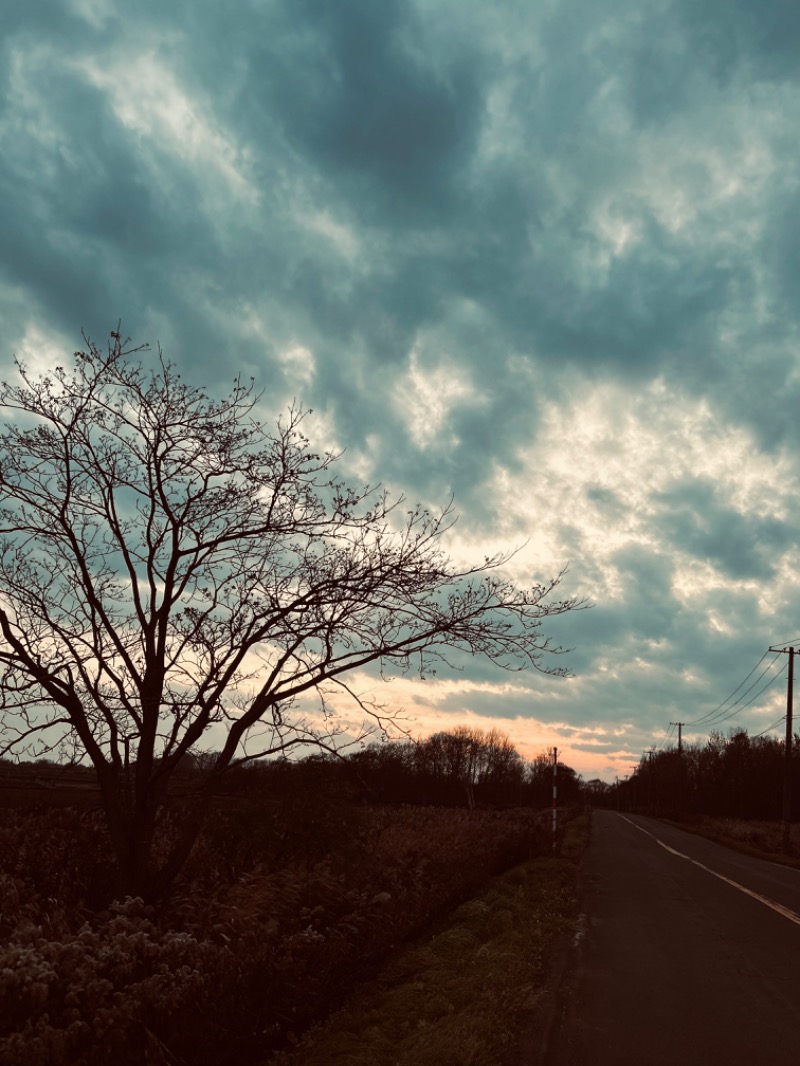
x,y
118,990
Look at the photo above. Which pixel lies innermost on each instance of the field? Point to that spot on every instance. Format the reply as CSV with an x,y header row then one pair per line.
x,y
287,902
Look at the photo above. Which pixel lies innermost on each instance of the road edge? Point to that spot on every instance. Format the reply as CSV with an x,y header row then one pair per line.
x,y
542,1022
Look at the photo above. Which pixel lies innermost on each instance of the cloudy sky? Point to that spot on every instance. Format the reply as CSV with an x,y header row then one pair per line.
x,y
542,256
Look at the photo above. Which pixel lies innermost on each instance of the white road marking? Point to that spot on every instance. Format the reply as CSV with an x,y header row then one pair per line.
x,y
777,907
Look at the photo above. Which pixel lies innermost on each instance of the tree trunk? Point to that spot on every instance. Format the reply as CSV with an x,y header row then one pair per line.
x,y
131,818
161,880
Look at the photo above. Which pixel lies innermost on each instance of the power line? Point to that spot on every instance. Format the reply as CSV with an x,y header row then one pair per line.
x,y
769,727
761,691
721,705
782,643
711,717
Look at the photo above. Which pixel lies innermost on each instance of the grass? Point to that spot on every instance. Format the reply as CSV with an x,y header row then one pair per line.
x,y
759,839
455,999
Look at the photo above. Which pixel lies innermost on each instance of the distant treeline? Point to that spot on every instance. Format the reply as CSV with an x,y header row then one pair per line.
x,y
460,767
729,776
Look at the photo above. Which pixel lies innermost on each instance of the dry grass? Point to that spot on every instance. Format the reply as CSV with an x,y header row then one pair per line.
x,y
454,999
279,910
750,836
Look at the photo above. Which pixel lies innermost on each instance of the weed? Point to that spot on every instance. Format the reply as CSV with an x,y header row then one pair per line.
x,y
283,906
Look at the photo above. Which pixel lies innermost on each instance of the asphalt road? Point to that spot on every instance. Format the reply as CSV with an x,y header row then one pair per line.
x,y
687,958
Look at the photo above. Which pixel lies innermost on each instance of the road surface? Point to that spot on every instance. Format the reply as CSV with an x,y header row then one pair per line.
x,y
690,954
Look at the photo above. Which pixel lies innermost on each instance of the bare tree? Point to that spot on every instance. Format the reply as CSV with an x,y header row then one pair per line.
x,y
170,565
464,757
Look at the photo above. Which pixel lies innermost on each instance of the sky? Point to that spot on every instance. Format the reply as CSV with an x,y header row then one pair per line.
x,y
542,257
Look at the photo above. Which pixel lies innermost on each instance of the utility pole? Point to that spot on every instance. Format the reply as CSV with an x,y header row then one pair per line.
x,y
555,794
680,736
677,774
649,753
787,752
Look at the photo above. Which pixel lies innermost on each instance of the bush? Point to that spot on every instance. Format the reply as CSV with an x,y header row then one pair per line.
x,y
119,990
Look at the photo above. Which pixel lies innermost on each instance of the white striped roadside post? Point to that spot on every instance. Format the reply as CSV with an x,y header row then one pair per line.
x,y
555,794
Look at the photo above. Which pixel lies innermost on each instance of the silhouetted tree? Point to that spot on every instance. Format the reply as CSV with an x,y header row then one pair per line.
x,y
540,782
169,564
462,765
733,776
504,770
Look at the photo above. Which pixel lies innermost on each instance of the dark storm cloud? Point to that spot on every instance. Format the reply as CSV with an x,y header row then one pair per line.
x,y
781,254
356,90
88,233
656,303
726,34
741,545
360,97
22,20
645,610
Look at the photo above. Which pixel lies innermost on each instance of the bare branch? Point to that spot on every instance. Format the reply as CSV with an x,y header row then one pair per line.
x,y
169,564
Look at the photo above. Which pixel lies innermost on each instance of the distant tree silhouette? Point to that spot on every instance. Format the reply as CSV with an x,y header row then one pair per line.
x,y
733,776
169,564
473,764
540,782
462,766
